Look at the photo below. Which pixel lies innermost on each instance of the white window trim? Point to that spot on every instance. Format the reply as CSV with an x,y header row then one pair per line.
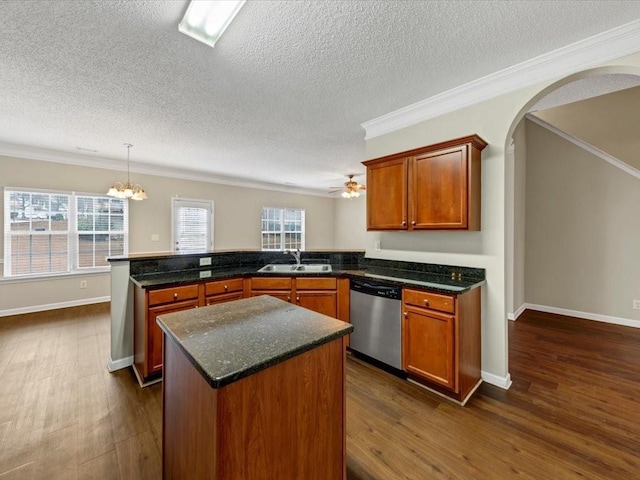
x,y
173,220
71,232
282,231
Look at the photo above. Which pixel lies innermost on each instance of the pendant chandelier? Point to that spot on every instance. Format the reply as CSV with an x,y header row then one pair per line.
x,y
127,190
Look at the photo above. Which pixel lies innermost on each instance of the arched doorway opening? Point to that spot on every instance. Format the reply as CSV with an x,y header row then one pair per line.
x,y
518,216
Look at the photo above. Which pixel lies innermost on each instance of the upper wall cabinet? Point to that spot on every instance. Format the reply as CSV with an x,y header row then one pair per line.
x,y
430,188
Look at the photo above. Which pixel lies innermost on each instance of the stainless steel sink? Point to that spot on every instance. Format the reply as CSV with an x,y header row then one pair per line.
x,y
312,268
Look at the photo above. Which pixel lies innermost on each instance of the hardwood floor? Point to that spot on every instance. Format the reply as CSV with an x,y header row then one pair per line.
x,y
572,412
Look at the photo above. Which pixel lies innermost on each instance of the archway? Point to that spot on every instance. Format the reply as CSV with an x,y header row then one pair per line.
x,y
514,250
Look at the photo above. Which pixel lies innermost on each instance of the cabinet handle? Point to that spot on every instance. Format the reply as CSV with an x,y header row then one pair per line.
x,y
404,223
175,296
413,222
298,299
225,287
288,299
426,302
405,314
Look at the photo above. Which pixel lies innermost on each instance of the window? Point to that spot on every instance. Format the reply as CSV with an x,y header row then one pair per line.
x,y
282,229
192,225
57,232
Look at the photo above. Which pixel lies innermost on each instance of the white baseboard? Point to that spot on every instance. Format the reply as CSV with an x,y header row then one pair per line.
x,y
53,306
627,322
119,364
517,313
502,382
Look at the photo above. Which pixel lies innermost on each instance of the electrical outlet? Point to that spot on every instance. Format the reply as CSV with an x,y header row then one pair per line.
x,y
205,261
83,284
636,304
376,245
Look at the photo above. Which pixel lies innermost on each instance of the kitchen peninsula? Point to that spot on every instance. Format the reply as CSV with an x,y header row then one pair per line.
x,y
253,389
443,303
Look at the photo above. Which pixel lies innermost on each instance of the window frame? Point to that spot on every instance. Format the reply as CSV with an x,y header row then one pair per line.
x,y
71,233
195,202
282,230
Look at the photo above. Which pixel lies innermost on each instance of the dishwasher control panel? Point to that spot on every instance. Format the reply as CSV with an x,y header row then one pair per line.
x,y
377,289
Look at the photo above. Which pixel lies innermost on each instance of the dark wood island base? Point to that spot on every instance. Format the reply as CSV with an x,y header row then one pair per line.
x,y
284,421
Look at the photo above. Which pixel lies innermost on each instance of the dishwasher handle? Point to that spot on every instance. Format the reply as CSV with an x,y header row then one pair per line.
x,y
376,289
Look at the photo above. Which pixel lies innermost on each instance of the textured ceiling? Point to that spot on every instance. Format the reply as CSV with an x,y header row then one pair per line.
x,y
282,95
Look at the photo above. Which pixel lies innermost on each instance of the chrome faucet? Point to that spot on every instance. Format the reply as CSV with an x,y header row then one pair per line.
x,y
296,255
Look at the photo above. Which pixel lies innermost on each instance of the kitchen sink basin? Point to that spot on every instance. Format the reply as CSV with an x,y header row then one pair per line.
x,y
311,268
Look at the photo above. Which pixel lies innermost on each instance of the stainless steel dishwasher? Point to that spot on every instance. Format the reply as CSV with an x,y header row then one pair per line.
x,y
375,311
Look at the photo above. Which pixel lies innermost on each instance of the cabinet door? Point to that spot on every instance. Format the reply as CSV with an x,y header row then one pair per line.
x,y
438,192
154,333
228,297
428,345
387,195
325,302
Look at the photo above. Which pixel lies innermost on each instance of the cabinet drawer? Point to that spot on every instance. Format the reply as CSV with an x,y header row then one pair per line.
x,y
271,283
434,301
174,294
223,286
316,283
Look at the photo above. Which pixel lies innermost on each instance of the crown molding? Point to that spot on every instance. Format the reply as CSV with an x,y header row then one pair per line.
x,y
616,162
603,47
74,158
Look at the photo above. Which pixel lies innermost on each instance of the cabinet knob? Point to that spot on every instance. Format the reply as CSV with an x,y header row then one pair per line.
x,y
297,299
288,299
175,296
226,288
405,314
404,223
413,222
426,302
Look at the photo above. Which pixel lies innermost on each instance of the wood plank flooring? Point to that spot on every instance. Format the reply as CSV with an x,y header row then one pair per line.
x,y
572,412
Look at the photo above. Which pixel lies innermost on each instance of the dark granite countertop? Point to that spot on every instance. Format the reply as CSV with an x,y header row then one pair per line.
x,y
230,341
405,278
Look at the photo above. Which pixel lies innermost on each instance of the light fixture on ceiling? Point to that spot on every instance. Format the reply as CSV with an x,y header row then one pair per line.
x,y
207,20
127,190
351,188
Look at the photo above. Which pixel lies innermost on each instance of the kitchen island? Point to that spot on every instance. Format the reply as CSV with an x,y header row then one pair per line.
x,y
253,389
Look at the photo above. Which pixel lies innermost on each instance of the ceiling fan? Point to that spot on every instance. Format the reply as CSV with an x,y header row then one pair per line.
x,y
351,188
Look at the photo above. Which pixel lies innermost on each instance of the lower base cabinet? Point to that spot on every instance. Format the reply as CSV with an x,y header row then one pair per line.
x,y
149,304
442,341
326,295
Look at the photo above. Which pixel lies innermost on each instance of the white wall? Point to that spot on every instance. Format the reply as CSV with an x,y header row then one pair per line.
x,y
582,229
350,223
236,217
519,164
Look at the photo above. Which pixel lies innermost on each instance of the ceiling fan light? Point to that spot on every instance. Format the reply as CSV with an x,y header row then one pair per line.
x,y
345,194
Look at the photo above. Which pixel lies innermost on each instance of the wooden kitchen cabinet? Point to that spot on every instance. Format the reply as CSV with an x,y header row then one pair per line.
x,y
326,295
317,294
149,304
153,363
441,341
387,207
429,188
278,287
221,291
